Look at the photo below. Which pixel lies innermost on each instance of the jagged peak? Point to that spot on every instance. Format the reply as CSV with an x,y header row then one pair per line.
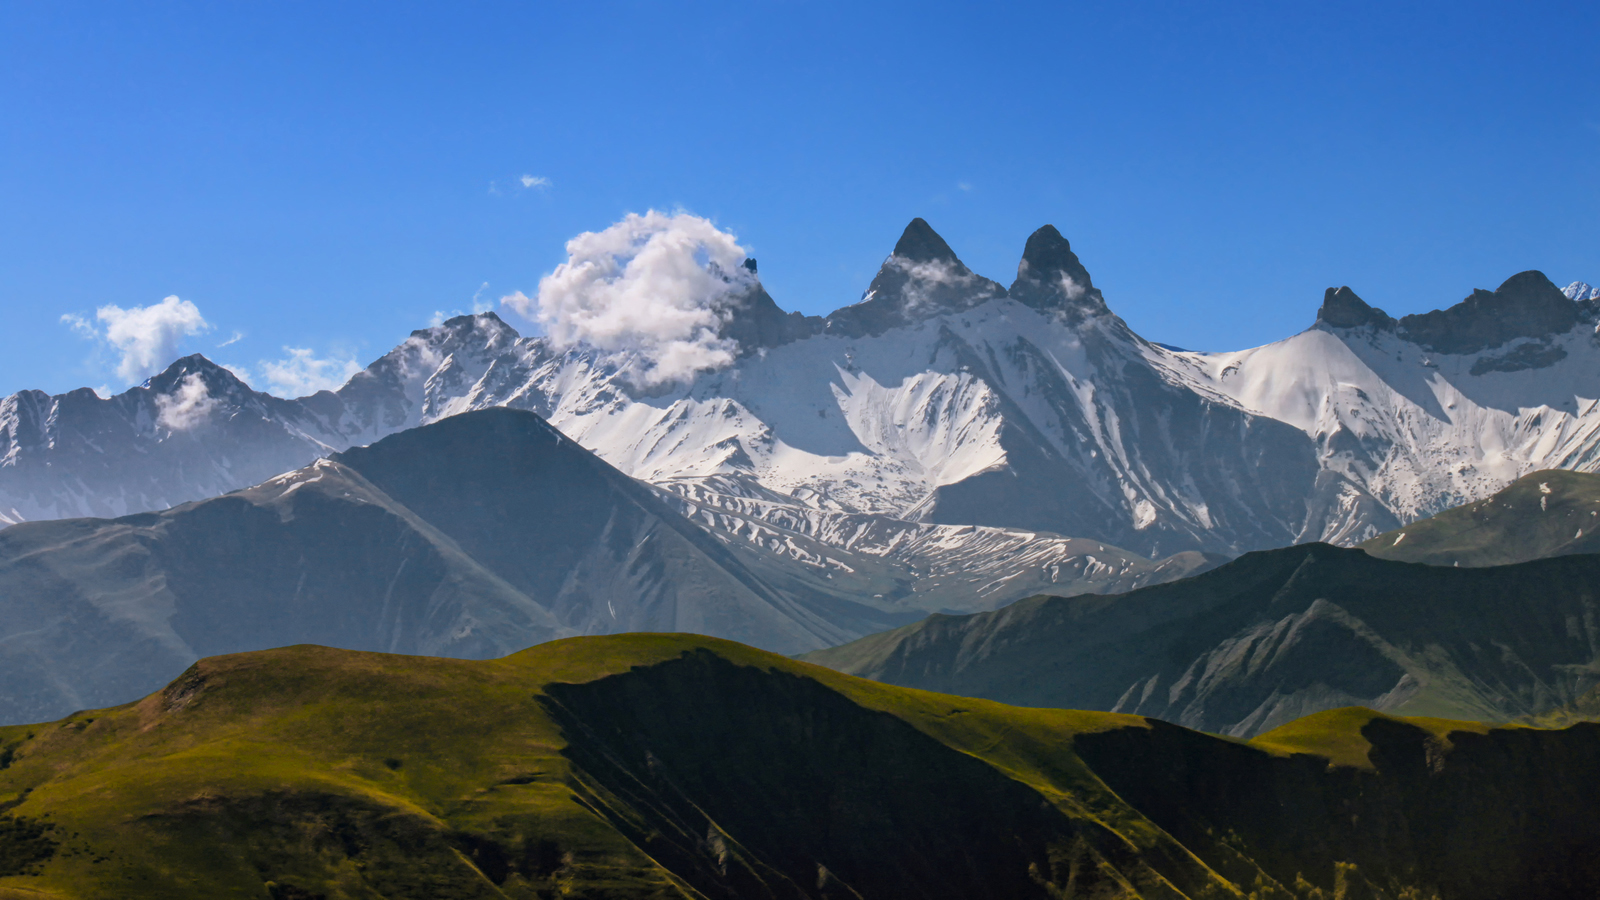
x,y
217,378
1050,276
920,243
467,322
1581,290
1341,308
1525,305
921,279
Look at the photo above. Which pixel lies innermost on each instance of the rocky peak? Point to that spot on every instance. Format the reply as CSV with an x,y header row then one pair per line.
x,y
1050,277
921,279
1341,308
1526,305
1581,290
754,320
218,380
473,329
920,243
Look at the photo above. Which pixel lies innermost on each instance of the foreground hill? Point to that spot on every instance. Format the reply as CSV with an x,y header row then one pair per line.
x,y
1548,513
1270,637
671,766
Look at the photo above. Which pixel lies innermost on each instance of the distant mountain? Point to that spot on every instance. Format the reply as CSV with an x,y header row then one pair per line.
x,y
1548,513
1268,638
471,537
654,766
941,398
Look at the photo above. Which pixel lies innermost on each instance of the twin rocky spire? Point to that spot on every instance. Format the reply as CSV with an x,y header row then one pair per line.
x,y
924,278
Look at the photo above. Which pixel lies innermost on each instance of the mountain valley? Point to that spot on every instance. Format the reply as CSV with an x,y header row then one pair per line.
x,y
1270,637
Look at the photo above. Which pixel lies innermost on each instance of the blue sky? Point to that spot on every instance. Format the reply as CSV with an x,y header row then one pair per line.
x,y
325,177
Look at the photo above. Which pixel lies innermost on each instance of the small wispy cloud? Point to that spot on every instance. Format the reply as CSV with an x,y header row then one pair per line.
x,y
479,305
80,326
237,335
963,186
521,183
188,406
301,373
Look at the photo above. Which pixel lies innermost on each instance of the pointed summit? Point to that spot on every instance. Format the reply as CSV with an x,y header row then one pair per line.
x,y
1051,277
1341,308
920,243
217,380
922,279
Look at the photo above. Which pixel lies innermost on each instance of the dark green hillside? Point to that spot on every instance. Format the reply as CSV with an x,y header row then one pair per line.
x,y
1548,513
658,766
1271,637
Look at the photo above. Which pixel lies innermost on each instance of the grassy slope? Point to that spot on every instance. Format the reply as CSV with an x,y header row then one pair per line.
x,y
307,771
1544,514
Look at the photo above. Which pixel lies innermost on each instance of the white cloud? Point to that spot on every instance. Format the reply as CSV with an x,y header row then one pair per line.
x,y
239,372
186,407
146,336
300,373
653,289
80,325
1071,288
237,336
924,279
535,181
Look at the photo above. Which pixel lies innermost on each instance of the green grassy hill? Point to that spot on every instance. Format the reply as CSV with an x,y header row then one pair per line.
x,y
679,766
1545,514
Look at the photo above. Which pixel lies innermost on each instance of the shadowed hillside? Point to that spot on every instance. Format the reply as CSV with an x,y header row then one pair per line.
x,y
675,766
1270,637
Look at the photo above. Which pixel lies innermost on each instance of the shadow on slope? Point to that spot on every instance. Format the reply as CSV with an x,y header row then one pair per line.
x,y
1268,638
675,766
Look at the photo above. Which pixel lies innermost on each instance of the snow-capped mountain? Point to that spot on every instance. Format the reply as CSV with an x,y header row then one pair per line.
x,y
941,399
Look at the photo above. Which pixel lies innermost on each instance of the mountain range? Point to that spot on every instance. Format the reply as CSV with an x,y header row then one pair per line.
x,y
942,398
1270,637
670,766
473,536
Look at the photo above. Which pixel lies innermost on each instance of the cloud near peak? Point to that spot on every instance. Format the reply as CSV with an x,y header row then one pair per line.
x,y
146,337
653,289
187,406
301,373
